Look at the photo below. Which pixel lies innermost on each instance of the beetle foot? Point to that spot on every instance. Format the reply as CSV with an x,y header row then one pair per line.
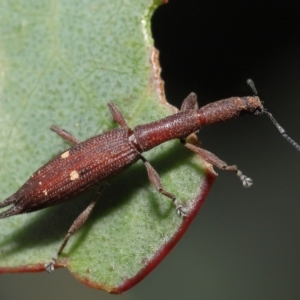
x,y
50,265
181,211
247,181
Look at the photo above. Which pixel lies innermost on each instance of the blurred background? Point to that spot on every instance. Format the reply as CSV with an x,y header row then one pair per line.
x,y
244,244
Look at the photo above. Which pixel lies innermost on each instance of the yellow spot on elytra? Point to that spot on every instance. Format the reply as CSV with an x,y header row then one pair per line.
x,y
65,154
74,175
45,192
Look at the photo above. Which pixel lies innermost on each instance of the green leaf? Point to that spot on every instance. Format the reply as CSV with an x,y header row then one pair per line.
x,y
61,62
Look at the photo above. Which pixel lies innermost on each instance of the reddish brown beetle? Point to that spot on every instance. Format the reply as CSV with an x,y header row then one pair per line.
x,y
103,156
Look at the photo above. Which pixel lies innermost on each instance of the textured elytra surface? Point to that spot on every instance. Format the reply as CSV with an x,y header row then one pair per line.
x,y
61,63
93,161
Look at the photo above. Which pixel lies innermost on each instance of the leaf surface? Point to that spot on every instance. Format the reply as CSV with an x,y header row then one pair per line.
x,y
61,62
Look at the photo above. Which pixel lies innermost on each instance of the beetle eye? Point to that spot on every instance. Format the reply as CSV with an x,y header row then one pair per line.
x,y
258,111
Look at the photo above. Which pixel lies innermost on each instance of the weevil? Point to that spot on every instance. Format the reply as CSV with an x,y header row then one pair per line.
x,y
108,154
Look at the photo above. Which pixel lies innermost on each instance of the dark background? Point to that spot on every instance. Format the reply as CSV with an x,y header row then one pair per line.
x,y
244,244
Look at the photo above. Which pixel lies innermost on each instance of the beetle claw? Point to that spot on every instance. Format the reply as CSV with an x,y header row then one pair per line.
x,y
247,181
49,267
181,211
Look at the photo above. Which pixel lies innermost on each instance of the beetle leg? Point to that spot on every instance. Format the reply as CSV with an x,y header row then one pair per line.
x,y
155,180
79,221
214,160
117,115
65,134
190,102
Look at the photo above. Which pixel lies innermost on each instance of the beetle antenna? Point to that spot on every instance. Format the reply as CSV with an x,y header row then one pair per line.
x,y
280,129
250,82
